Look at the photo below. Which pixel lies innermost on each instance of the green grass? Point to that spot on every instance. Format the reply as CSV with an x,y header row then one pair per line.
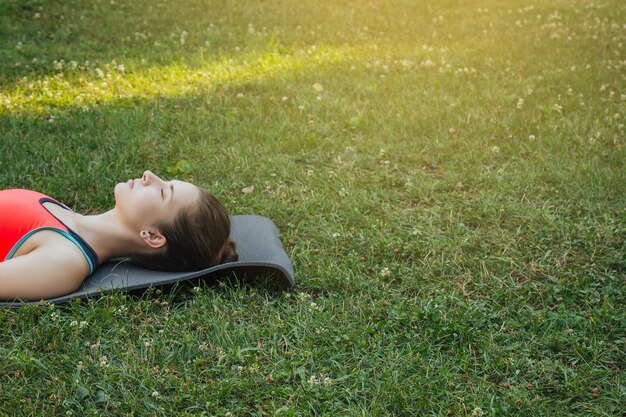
x,y
449,179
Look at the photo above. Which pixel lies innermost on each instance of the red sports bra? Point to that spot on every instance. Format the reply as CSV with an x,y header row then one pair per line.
x,y
23,214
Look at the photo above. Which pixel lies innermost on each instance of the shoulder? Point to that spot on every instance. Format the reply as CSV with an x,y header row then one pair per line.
x,y
53,248
45,272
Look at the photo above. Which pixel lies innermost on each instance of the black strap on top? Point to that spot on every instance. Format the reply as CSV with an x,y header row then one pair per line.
x,y
85,246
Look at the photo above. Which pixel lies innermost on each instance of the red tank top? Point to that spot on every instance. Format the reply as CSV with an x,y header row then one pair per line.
x,y
22,214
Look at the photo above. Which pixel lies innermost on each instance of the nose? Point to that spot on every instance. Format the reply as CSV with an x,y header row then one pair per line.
x,y
148,177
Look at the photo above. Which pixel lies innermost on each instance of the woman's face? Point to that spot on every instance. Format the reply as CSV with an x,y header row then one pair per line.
x,y
145,202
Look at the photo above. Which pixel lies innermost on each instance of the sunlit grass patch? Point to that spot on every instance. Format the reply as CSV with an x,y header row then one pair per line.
x,y
75,86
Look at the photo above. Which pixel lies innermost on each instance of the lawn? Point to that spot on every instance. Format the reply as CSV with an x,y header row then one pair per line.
x,y
449,179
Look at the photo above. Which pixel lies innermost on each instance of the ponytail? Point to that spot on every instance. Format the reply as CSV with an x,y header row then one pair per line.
x,y
229,253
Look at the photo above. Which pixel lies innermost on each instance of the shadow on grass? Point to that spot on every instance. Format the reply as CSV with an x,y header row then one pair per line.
x,y
262,279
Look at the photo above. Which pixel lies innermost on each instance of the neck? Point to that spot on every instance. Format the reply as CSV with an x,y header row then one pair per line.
x,y
107,235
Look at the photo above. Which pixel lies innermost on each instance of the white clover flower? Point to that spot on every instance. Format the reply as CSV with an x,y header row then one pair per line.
x,y
82,324
239,95
531,137
495,149
313,380
520,103
104,361
315,307
285,98
477,412
155,394
385,272
73,323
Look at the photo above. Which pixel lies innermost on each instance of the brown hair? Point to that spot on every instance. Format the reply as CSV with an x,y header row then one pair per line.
x,y
197,238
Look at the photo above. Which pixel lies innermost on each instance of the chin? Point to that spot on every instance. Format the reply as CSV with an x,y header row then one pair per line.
x,y
118,190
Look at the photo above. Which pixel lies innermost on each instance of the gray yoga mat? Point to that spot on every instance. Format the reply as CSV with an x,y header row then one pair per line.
x,y
261,253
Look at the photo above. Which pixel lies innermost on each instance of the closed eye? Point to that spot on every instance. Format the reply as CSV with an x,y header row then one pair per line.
x,y
161,193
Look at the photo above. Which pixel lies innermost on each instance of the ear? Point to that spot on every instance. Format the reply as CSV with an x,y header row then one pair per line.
x,y
153,238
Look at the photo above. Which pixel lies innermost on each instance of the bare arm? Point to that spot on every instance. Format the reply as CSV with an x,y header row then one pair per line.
x,y
45,272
